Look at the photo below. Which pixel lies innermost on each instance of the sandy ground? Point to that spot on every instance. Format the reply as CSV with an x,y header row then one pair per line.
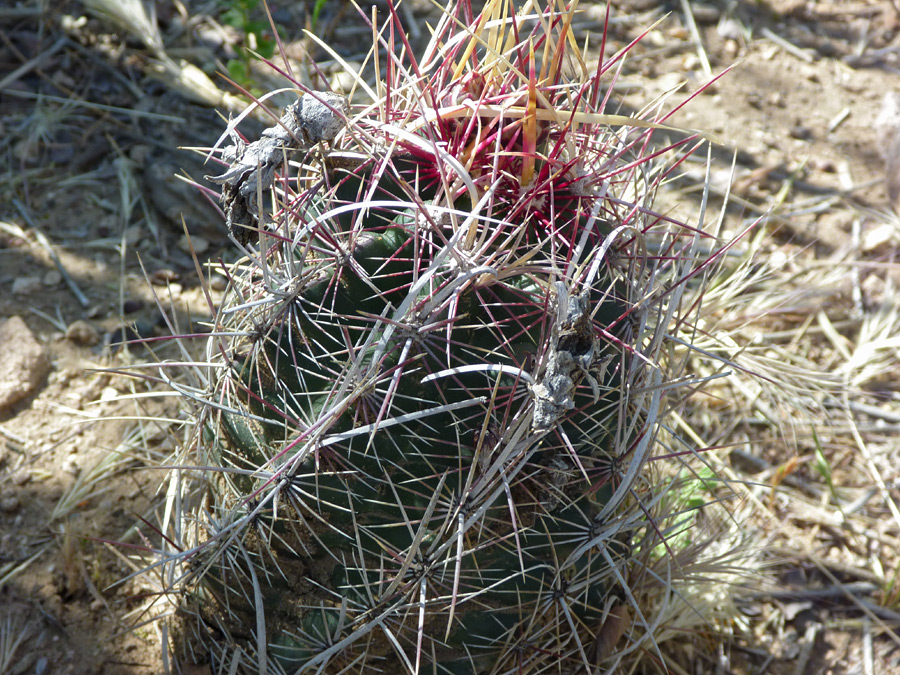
x,y
91,242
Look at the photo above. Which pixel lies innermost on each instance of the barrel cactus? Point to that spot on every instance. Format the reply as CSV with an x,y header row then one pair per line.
x,y
437,371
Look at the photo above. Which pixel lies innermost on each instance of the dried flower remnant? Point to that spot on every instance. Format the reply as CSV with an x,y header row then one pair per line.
x,y
313,118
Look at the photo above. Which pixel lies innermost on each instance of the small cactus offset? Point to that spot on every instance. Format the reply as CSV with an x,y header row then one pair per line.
x,y
438,370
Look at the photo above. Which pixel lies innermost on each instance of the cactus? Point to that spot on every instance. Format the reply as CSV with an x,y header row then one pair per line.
x,y
437,371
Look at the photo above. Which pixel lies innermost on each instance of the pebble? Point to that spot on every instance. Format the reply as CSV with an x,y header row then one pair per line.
x,y
82,333
704,13
142,328
731,48
730,29
344,82
139,154
180,202
25,285
10,504
218,283
71,466
878,237
51,278
824,165
21,477
23,362
801,133
200,244
134,235
132,305
163,277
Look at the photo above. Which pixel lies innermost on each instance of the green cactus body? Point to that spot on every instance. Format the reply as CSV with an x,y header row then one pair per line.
x,y
425,419
426,482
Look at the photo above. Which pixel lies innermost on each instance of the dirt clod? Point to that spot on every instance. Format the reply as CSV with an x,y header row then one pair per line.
x,y
82,333
23,362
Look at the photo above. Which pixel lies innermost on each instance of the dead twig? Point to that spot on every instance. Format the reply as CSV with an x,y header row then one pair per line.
x,y
31,64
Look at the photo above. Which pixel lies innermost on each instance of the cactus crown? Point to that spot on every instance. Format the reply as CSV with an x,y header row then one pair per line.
x,y
437,372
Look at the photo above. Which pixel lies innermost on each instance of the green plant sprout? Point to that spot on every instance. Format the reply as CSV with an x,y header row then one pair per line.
x,y
257,33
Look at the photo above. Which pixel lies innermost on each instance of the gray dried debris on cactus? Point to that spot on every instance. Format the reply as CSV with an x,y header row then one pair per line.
x,y
315,117
570,359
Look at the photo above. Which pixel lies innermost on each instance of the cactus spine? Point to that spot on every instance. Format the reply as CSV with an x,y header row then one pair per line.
x,y
437,372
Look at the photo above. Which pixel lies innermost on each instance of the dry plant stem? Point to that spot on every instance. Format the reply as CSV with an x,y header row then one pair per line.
x,y
140,114
695,34
33,63
14,438
856,589
807,642
802,54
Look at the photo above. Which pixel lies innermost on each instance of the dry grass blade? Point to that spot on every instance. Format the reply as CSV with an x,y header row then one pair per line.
x,y
131,15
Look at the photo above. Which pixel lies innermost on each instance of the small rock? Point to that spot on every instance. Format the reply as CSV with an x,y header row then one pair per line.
x,y
690,61
24,152
730,29
344,82
824,165
873,288
25,285
21,477
801,133
116,338
704,13
163,277
878,237
134,235
132,305
218,283
776,98
82,333
71,466
51,278
139,154
10,504
23,362
731,48
199,244
641,5
180,202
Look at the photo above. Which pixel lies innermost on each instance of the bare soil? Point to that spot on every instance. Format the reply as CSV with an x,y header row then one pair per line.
x,y
90,146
